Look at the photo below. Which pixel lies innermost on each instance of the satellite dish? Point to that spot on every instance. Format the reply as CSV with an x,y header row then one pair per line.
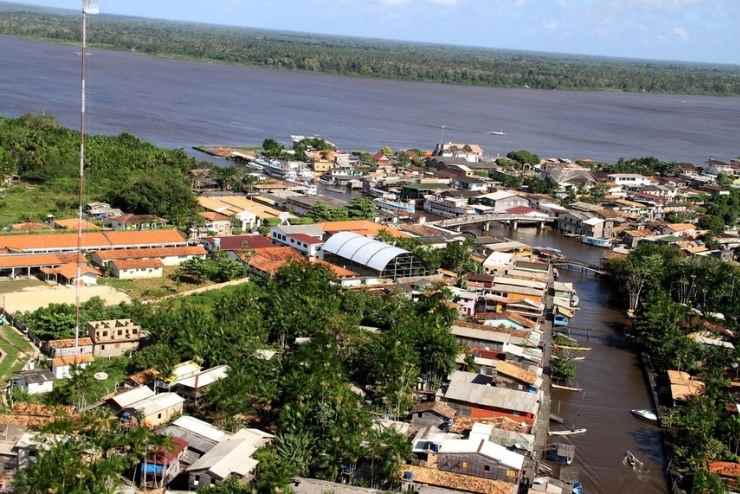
x,y
100,376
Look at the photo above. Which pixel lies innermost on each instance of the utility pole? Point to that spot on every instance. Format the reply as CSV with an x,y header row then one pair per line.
x,y
89,7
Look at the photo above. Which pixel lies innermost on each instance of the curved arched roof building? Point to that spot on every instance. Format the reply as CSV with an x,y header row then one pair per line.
x,y
382,259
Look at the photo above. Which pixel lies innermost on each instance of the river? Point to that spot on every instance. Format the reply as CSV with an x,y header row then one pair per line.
x,y
613,384
181,104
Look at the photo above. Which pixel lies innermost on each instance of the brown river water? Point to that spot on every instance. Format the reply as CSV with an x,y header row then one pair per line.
x,y
613,384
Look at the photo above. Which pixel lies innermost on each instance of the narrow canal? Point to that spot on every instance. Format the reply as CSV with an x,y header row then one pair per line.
x,y
612,383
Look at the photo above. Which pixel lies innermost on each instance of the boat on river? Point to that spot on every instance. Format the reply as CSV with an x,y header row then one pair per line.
x,y
560,320
648,415
597,242
497,133
571,432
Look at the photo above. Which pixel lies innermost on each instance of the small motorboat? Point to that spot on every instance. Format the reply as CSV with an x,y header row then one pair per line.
x,y
571,432
560,320
597,242
648,415
497,133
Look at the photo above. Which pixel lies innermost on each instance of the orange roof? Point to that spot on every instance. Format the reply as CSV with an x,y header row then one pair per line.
x,y
362,227
683,386
725,469
640,232
145,237
190,250
456,481
126,264
71,360
68,343
73,224
681,227
270,259
213,216
91,240
69,270
29,226
34,260
339,271
515,371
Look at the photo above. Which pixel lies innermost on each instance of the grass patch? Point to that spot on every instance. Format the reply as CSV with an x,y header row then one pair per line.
x,y
15,349
152,288
12,286
24,202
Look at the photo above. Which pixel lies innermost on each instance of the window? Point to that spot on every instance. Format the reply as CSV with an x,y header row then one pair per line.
x,y
420,414
159,415
487,468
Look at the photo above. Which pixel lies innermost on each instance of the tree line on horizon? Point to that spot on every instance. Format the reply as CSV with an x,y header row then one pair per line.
x,y
377,58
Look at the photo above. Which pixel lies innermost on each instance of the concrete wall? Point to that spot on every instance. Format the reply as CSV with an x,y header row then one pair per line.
x,y
138,274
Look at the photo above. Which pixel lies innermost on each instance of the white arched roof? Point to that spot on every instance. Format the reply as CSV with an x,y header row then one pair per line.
x,y
362,250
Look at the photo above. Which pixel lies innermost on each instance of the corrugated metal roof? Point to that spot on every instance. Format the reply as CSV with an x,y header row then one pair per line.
x,y
233,456
464,388
128,398
205,378
200,427
362,250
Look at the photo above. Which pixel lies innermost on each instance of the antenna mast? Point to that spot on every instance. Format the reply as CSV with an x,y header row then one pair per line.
x,y
89,7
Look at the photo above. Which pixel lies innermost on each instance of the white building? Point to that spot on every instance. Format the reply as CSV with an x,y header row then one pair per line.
x,y
34,382
629,179
137,269
447,207
231,458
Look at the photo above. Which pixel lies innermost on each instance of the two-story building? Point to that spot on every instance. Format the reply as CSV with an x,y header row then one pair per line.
x,y
115,337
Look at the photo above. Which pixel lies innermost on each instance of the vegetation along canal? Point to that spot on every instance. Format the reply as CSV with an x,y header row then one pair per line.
x,y
613,383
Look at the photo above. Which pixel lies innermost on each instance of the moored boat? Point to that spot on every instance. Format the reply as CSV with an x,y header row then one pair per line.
x,y
571,432
648,415
597,242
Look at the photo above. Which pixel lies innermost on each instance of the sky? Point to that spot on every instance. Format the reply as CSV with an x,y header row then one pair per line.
x,y
690,30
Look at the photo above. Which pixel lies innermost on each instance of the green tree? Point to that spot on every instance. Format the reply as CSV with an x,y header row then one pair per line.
x,y
524,157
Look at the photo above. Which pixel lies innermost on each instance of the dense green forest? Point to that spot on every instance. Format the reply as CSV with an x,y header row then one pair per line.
x,y
665,290
134,175
375,58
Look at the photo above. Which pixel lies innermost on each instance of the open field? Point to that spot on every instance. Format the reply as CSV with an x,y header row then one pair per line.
x,y
21,203
15,351
34,297
153,288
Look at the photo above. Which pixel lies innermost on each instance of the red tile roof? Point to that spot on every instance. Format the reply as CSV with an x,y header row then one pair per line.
x,y
270,260
69,270
71,360
362,227
90,240
73,224
156,252
725,469
34,260
241,242
68,343
307,239
213,216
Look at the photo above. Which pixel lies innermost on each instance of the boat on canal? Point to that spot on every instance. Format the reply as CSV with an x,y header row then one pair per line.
x,y
571,432
648,415
597,242
560,320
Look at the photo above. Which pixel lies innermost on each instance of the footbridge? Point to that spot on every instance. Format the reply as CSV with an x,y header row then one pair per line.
x,y
579,266
515,220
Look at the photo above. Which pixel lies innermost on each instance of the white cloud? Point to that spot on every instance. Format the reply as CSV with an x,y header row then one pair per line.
x,y
681,33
